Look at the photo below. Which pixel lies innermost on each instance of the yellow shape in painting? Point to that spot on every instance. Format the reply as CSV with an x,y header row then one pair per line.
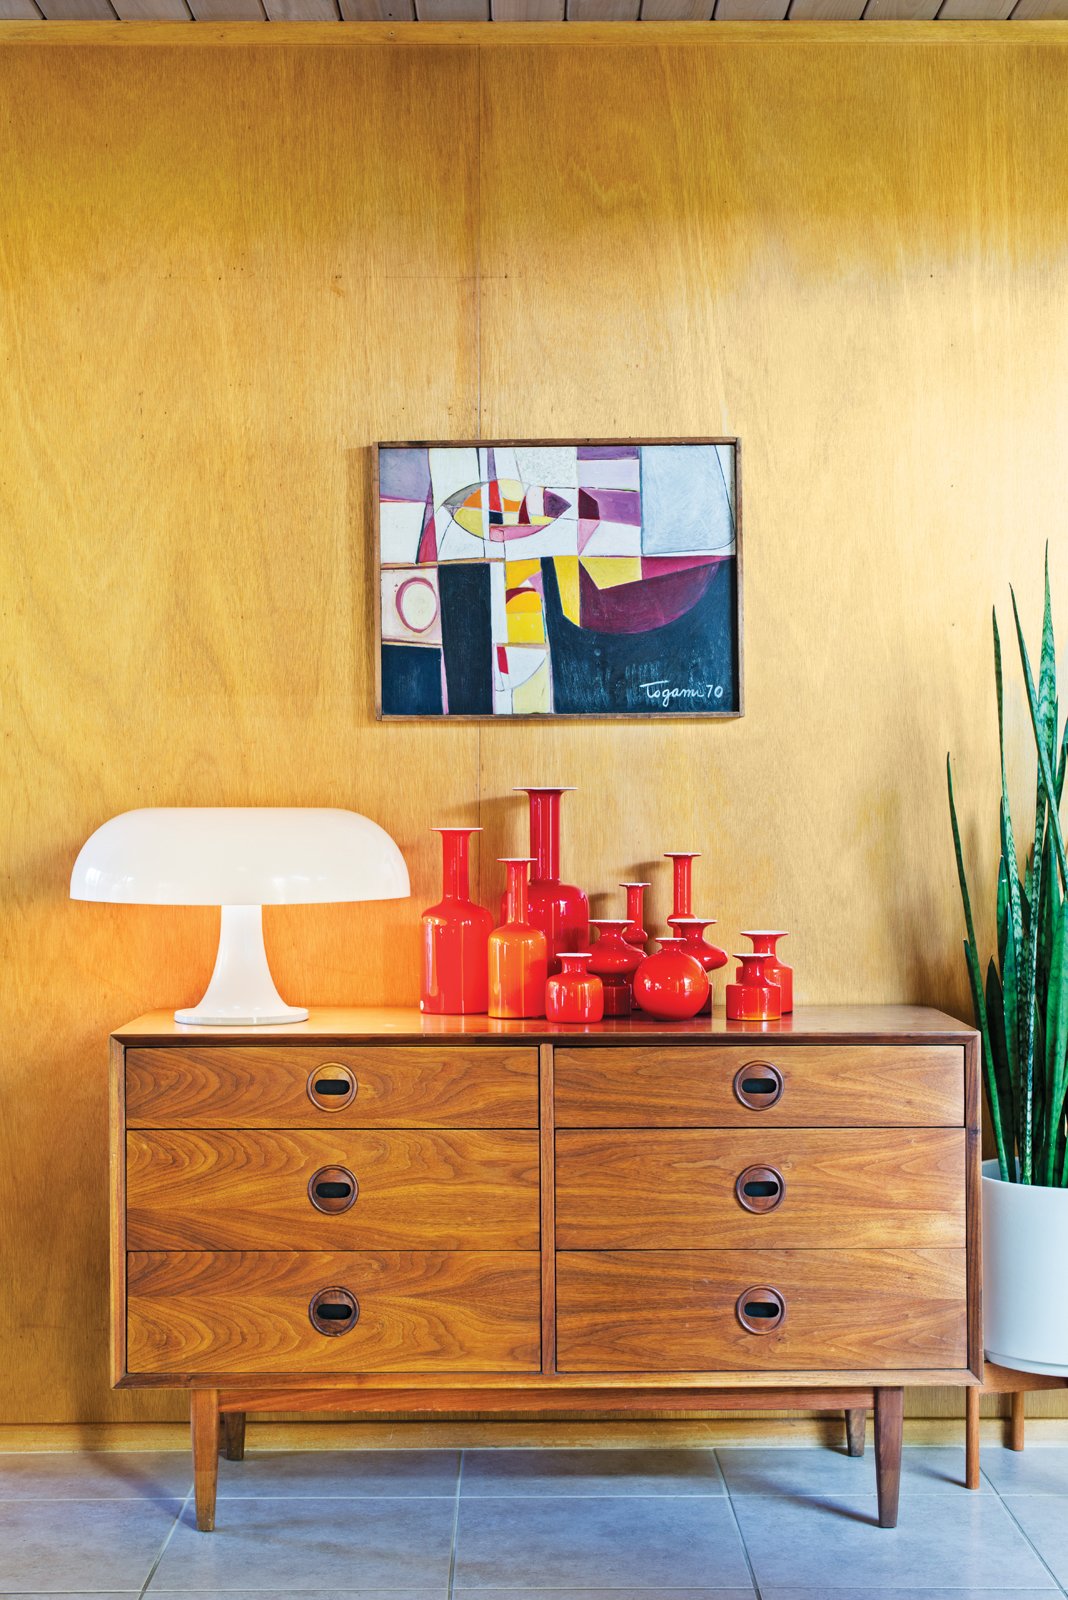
x,y
517,572
608,572
567,576
525,622
532,697
470,519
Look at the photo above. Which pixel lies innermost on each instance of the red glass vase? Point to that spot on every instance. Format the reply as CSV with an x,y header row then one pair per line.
x,y
635,932
682,881
671,984
560,910
692,932
455,932
576,994
615,962
517,959
751,998
764,942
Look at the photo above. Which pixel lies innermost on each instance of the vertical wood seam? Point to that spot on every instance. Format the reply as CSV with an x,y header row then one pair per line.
x,y
547,1135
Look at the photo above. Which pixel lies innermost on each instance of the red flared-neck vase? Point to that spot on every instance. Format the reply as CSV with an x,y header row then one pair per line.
x,y
692,932
752,997
576,994
636,932
682,881
671,984
454,977
765,942
516,953
559,909
614,960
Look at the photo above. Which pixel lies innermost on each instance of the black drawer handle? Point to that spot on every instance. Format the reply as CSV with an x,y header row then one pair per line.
x,y
332,1189
333,1311
760,1189
758,1085
761,1310
331,1086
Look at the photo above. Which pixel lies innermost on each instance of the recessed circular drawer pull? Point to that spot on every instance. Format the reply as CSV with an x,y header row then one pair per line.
x,y
758,1085
331,1086
761,1310
333,1311
760,1189
332,1189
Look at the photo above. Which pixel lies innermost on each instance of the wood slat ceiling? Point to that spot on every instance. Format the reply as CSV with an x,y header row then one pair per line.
x,y
537,11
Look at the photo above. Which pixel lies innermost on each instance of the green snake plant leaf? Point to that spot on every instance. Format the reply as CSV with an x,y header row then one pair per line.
x,y
1057,1041
995,1011
1046,733
1043,754
1011,945
1007,992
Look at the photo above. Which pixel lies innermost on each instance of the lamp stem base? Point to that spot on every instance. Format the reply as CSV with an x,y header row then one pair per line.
x,y
241,993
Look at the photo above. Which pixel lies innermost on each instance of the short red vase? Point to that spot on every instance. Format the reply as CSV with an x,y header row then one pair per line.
x,y
615,962
751,998
671,984
576,994
455,931
764,942
560,910
682,881
636,932
692,932
517,958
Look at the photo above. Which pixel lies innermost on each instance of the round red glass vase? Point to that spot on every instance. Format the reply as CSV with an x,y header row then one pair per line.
x,y
751,998
764,942
455,931
692,932
560,910
516,953
671,984
635,932
681,881
615,962
576,994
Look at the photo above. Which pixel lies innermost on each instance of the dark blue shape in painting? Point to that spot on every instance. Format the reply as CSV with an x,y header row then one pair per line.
x,y
467,636
688,665
411,681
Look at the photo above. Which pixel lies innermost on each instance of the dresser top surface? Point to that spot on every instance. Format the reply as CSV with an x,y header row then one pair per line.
x,y
406,1024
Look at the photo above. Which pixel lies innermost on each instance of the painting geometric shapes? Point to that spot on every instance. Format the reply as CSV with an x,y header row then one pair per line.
x,y
517,573
549,464
533,697
456,545
498,603
611,505
611,539
566,571
609,472
641,606
401,525
411,605
503,509
411,681
404,474
450,470
686,505
526,625
467,637
609,571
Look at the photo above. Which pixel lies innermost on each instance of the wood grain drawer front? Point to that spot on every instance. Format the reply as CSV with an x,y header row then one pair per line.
x,y
800,1086
847,1310
417,1311
297,1086
254,1190
679,1188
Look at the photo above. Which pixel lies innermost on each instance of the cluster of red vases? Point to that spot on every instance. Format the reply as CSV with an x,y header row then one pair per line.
x,y
537,963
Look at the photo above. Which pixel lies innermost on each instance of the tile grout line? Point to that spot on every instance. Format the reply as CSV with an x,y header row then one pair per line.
x,y
154,1568
455,1527
738,1526
1060,1589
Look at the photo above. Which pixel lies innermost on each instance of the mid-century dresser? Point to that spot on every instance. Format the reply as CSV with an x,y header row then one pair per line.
x,y
378,1211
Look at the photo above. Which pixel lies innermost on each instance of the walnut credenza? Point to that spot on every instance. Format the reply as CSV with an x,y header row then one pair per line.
x,y
377,1211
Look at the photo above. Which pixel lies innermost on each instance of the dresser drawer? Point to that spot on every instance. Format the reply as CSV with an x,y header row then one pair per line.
x,y
757,1081
402,1189
845,1310
680,1188
302,1086
412,1311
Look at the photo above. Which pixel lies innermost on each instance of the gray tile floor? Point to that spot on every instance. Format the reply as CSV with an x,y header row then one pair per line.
x,y
728,1524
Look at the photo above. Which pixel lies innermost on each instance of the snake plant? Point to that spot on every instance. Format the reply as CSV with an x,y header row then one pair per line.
x,y
1022,1008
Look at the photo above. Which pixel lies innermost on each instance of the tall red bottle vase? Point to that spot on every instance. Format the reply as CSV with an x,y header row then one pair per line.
x,y
671,984
560,910
614,961
682,881
711,957
455,931
751,998
517,955
635,932
764,942
576,994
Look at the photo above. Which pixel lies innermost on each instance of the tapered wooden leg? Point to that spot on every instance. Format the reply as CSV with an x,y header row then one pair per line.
x,y
233,1435
889,1426
204,1424
856,1422
971,1438
1016,1423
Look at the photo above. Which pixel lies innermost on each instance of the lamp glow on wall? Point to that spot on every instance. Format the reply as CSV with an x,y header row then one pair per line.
x,y
240,858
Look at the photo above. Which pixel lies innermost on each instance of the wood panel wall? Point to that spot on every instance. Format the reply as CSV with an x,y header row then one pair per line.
x,y
224,272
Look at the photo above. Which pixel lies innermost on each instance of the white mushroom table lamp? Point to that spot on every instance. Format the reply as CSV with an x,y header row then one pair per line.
x,y
240,858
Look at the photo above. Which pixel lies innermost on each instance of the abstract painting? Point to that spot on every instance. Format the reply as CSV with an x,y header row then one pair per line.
x,y
543,579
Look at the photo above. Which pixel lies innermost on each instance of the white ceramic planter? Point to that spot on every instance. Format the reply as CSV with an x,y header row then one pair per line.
x,y
1025,1274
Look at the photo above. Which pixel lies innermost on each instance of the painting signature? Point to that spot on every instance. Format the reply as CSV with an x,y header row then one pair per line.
x,y
662,691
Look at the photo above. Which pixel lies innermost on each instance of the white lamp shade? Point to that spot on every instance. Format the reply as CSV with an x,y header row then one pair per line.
x,y
239,856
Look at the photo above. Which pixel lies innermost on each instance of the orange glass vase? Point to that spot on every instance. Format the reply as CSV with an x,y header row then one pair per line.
x,y
615,960
682,882
671,984
764,942
455,932
751,998
576,994
517,953
711,957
